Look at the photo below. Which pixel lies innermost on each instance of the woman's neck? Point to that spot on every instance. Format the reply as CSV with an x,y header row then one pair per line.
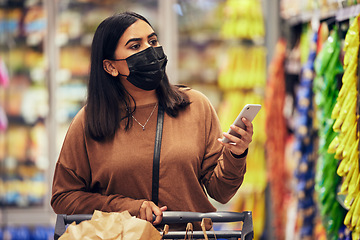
x,y
140,96
143,97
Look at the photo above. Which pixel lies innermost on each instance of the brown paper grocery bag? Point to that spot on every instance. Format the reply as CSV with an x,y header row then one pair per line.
x,y
111,226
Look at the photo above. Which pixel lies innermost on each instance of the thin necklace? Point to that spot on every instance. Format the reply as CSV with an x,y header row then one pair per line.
x,y
143,126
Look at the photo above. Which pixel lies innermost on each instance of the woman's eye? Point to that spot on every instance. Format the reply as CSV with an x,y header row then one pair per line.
x,y
135,46
153,42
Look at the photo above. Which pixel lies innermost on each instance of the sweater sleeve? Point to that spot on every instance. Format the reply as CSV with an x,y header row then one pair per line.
x,y
222,172
72,188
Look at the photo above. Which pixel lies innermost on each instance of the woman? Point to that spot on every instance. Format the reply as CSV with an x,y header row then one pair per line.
x,y
106,160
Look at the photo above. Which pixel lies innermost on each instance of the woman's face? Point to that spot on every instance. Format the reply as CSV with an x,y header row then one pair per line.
x,y
136,38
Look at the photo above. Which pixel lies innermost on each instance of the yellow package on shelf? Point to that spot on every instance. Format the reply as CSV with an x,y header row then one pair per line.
x,y
245,68
243,19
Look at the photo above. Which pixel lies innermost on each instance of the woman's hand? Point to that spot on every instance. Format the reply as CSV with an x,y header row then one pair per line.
x,y
238,145
149,208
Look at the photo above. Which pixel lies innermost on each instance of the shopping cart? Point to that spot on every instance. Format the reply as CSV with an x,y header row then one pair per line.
x,y
170,217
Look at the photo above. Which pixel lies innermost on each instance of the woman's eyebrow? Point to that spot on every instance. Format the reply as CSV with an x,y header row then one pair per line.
x,y
139,39
132,40
153,34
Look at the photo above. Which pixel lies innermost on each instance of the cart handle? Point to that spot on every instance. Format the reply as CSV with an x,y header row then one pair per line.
x,y
172,217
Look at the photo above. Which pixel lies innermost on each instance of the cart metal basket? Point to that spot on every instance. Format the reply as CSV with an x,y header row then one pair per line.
x,y
170,217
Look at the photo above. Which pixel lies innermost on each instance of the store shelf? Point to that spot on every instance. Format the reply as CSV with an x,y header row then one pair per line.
x,y
340,14
19,120
346,13
29,217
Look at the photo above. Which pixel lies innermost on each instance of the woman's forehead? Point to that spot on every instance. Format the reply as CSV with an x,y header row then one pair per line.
x,y
139,29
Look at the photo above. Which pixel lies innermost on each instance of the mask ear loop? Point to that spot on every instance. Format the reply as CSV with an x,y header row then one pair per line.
x,y
122,74
120,59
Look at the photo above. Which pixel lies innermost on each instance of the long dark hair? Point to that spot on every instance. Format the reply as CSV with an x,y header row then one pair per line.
x,y
107,100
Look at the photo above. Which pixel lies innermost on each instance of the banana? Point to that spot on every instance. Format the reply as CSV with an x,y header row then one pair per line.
x,y
347,81
346,124
334,144
348,217
349,140
354,182
353,154
356,235
345,184
336,110
351,41
357,226
356,214
348,77
344,145
350,118
344,165
351,54
349,99
349,200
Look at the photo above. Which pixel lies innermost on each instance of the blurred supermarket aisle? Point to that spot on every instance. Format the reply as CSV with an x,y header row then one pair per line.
x,y
299,59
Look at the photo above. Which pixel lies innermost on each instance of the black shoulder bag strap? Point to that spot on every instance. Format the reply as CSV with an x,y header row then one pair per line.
x,y
156,161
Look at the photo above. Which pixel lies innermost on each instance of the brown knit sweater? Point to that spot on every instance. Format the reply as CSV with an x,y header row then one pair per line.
x,y
117,175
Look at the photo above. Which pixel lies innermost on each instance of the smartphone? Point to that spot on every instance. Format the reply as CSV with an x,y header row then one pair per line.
x,y
249,112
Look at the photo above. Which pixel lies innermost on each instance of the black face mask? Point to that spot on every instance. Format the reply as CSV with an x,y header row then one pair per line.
x,y
147,68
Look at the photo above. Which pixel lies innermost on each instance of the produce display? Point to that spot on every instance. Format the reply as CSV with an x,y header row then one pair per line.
x,y
241,80
326,132
243,20
345,145
328,67
244,68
